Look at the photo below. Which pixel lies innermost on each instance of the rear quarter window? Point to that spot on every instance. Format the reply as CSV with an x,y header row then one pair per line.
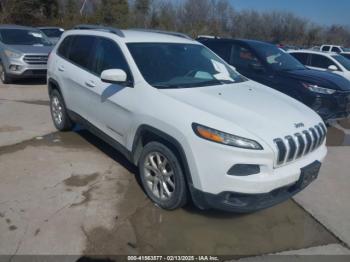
x,y
63,49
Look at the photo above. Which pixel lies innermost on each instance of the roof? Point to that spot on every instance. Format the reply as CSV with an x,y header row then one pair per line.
x,y
246,41
135,35
49,27
17,27
313,52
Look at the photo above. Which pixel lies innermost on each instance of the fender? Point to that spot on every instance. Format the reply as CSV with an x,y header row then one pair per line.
x,y
142,129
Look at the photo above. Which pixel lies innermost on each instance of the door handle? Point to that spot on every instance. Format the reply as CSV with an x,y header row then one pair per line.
x,y
90,84
61,68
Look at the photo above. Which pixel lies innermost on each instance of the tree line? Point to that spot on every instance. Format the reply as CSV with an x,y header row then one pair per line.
x,y
194,17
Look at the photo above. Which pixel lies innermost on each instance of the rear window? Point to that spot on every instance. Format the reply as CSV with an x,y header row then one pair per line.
x,y
302,57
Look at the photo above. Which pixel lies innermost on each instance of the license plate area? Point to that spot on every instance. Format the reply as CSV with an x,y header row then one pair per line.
x,y
308,174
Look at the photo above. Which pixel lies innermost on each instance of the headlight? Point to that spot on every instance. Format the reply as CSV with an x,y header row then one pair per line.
x,y
225,138
12,54
318,89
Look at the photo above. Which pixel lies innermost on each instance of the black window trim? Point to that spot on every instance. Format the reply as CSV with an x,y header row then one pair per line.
x,y
130,83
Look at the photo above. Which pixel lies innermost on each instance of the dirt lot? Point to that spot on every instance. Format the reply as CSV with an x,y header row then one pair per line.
x,y
70,193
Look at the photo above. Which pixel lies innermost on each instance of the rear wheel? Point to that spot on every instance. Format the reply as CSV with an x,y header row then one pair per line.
x,y
4,77
59,113
162,176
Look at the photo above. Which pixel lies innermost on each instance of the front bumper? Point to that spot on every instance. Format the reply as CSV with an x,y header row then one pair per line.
x,y
246,203
331,107
24,69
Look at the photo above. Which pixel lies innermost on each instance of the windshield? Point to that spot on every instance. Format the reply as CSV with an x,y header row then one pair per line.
x,y
23,37
346,55
52,32
343,61
346,49
176,65
278,59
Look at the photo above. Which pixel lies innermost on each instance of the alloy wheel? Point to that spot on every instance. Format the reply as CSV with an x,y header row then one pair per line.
x,y
159,175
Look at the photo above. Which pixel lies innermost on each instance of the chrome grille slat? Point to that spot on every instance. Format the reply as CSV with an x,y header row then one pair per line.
x,y
292,147
314,138
36,59
320,134
301,147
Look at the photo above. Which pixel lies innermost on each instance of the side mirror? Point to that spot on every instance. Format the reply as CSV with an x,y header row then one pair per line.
x,y
114,76
332,68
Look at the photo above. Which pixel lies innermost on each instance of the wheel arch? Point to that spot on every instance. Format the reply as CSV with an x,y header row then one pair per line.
x,y
146,134
52,84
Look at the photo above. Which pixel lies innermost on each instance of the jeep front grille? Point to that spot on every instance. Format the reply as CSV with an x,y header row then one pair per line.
x,y
300,144
36,59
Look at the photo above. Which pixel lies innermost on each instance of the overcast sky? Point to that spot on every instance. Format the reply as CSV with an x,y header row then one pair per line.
x,y
324,12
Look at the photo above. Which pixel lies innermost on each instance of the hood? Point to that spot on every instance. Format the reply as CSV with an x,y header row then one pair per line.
x,y
320,78
257,109
54,40
30,49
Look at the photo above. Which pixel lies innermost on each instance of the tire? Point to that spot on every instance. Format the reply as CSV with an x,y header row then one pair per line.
x,y
162,176
4,77
59,113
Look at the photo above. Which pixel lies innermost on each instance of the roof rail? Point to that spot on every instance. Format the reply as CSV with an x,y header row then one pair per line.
x,y
112,30
208,36
162,32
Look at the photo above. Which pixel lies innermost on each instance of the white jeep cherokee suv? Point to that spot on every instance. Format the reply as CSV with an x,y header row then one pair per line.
x,y
195,127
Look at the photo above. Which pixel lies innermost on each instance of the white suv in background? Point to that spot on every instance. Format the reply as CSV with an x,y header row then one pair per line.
x,y
195,127
334,49
331,62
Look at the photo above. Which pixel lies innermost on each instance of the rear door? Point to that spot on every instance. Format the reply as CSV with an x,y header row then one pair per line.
x,y
111,105
75,69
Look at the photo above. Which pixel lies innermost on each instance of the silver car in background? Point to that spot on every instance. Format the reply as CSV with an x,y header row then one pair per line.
x,y
52,32
24,52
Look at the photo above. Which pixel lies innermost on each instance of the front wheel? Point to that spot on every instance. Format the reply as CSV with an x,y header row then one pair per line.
x,y
162,176
4,77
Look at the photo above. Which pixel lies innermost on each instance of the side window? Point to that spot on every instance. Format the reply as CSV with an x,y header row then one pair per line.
x,y
336,49
109,56
63,49
243,58
81,50
222,49
326,48
302,57
321,61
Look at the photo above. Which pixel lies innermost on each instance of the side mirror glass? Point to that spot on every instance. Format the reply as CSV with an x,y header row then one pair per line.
x,y
332,68
114,76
